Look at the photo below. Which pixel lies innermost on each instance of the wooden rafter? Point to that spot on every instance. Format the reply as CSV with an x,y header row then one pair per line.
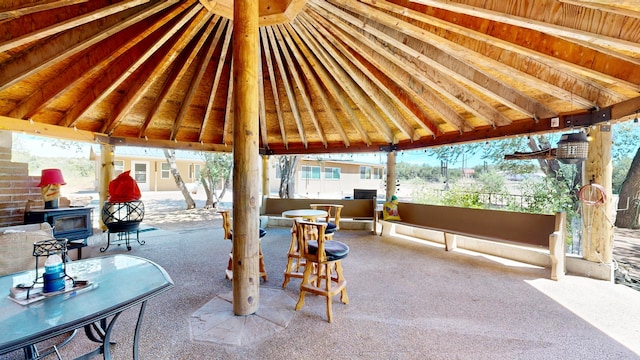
x,y
369,9
424,69
49,52
293,42
70,24
227,129
619,7
583,75
328,80
218,75
91,98
284,77
262,110
299,83
535,24
346,82
201,68
274,86
17,12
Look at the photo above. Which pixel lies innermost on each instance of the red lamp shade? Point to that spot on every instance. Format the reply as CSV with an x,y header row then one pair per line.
x,y
51,176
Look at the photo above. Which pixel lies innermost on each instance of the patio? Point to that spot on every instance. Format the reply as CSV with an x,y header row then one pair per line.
x,y
409,300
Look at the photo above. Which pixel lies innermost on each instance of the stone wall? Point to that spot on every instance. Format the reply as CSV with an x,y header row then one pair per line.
x,y
16,186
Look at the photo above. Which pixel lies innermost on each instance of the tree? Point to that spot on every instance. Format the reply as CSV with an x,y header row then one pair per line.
x,y
287,165
171,159
451,154
630,190
217,172
561,179
626,138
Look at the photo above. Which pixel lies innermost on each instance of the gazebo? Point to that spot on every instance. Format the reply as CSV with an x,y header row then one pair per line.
x,y
316,76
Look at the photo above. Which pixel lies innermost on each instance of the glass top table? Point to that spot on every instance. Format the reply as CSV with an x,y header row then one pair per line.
x,y
119,283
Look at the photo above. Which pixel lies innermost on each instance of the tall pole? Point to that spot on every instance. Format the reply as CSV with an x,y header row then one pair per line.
x,y
246,179
391,174
107,171
597,228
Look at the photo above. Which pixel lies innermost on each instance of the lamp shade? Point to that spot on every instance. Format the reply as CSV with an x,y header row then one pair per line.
x,y
51,176
572,148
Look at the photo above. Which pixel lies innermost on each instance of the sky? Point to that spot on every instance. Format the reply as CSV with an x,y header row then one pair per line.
x,y
42,147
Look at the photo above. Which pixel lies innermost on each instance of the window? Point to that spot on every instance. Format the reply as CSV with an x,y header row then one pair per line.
x,y
164,170
118,167
332,173
365,172
140,172
377,173
310,172
194,171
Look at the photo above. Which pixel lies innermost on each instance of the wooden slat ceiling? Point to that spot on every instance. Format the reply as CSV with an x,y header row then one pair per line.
x,y
336,75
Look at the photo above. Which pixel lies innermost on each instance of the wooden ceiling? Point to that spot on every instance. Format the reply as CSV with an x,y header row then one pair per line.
x,y
336,75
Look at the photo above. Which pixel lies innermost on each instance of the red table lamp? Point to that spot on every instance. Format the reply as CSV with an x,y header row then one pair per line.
x,y
50,182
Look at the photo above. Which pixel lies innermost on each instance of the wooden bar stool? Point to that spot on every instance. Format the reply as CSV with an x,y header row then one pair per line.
x,y
333,212
228,235
323,271
295,262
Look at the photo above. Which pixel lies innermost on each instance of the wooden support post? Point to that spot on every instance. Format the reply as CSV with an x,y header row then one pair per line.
x,y
450,241
597,228
107,171
391,174
246,246
265,175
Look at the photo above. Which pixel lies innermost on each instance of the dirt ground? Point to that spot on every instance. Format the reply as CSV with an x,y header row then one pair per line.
x,y
167,210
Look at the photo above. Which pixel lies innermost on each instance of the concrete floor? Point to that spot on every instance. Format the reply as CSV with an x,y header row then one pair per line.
x,y
408,300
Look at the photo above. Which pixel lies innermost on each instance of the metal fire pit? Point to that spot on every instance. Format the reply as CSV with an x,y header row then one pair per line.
x,y
123,219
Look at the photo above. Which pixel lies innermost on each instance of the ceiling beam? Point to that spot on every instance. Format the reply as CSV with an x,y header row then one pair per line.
x,y
202,63
293,41
364,77
554,82
106,85
580,67
64,46
215,86
347,83
404,73
328,80
293,71
426,68
62,26
632,9
274,85
285,78
17,12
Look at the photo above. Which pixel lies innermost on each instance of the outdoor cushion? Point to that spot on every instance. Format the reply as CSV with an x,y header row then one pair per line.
x,y
331,228
335,250
263,232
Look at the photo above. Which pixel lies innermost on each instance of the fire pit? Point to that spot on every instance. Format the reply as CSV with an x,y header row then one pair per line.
x,y
123,219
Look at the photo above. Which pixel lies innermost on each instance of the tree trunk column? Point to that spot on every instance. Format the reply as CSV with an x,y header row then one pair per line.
x,y
246,281
106,175
391,174
597,229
